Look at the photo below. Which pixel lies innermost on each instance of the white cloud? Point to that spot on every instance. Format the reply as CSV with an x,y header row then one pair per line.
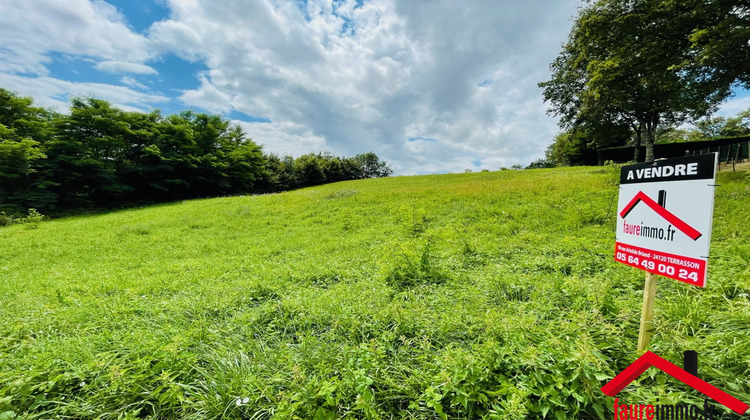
x,y
89,31
368,77
209,97
54,93
132,82
124,67
31,29
286,138
735,105
344,76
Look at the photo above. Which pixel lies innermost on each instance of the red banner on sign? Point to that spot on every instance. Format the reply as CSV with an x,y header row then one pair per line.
x,y
686,269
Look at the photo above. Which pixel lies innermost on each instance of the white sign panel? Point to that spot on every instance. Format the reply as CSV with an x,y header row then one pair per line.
x,y
664,216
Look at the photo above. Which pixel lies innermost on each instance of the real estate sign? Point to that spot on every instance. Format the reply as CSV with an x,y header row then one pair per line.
x,y
664,216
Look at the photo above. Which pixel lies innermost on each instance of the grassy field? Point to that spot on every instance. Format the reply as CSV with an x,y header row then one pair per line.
x,y
488,294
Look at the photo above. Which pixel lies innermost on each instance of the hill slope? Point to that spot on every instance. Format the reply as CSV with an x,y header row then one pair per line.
x,y
486,294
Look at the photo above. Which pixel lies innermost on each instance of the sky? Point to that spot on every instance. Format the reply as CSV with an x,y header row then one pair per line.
x,y
429,86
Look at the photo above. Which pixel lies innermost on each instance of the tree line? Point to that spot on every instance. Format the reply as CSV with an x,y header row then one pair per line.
x,y
629,68
579,146
100,157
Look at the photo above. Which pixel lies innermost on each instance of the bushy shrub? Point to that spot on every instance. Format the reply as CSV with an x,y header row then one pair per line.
x,y
32,219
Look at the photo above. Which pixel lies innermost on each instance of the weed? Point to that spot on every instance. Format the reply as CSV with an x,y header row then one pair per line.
x,y
411,272
414,219
338,194
31,220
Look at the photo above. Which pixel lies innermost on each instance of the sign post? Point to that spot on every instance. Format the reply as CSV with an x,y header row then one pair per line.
x,y
665,215
647,312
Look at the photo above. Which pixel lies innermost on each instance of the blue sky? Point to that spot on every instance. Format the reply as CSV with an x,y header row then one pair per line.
x,y
141,14
431,87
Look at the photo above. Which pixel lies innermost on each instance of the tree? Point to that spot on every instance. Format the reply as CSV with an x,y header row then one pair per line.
x,y
539,164
18,156
86,154
331,167
141,155
671,134
569,149
624,62
579,144
23,130
719,38
103,157
308,170
246,168
18,114
709,128
279,174
371,166
737,126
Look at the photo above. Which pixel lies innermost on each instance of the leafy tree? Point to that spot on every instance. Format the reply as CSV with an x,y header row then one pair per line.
x,y
673,134
719,38
246,168
331,166
18,156
568,148
351,168
308,170
22,129
172,158
736,126
540,164
139,160
371,166
13,108
86,153
279,174
101,156
18,114
579,145
210,133
623,63
317,168
710,128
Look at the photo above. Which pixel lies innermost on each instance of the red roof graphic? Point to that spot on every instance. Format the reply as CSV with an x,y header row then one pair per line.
x,y
661,211
651,359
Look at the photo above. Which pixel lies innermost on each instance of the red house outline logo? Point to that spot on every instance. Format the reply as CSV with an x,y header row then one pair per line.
x,y
661,211
651,359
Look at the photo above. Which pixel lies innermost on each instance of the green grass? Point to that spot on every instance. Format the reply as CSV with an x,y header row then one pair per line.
x,y
448,296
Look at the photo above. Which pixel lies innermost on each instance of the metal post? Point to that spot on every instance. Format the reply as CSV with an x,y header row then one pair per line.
x,y
690,362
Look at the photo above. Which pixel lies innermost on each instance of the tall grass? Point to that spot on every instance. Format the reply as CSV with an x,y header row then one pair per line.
x,y
449,296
